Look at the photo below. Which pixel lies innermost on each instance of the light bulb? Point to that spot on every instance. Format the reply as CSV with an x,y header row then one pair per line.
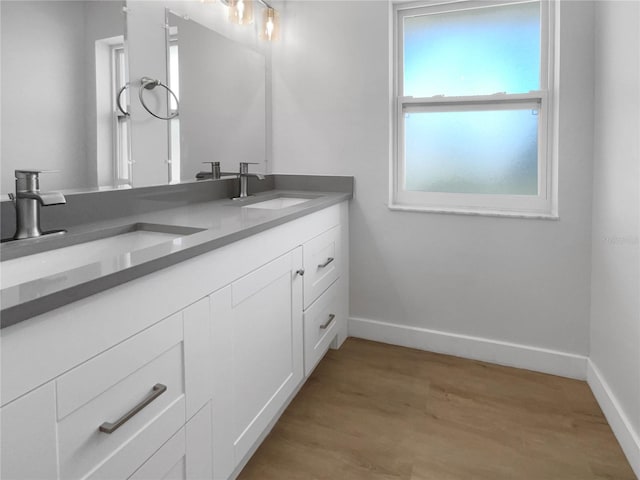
x,y
270,26
240,8
240,11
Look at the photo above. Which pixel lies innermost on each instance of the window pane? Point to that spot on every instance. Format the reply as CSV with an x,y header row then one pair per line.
x,y
174,75
473,52
482,152
120,67
174,142
122,140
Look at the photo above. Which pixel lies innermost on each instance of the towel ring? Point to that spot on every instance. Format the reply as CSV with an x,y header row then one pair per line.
x,y
147,83
118,103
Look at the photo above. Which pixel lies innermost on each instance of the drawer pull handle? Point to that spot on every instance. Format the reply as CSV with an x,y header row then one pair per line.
x,y
329,260
108,427
300,272
328,322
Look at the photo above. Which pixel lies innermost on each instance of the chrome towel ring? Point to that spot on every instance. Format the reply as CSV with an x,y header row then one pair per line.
x,y
118,102
147,83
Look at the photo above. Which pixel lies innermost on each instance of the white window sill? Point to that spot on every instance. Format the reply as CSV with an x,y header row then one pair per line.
x,y
479,212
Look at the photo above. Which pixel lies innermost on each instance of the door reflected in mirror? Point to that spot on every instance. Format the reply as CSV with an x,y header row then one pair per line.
x,y
221,87
63,70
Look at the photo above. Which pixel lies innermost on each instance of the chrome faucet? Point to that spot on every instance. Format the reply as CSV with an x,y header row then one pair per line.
x,y
243,176
27,200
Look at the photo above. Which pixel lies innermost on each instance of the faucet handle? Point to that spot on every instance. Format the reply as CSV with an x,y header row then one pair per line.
x,y
215,169
28,180
244,167
26,172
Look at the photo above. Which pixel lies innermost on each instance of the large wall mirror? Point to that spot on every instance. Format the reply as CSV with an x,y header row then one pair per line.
x,y
63,65
221,87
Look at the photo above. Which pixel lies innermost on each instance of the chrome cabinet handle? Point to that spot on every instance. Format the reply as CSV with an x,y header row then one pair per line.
x,y
329,260
108,427
300,272
328,322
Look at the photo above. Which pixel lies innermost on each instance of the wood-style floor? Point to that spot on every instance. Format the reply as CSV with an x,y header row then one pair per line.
x,y
374,411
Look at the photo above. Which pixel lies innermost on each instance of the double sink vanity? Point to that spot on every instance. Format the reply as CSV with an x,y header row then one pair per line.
x,y
167,343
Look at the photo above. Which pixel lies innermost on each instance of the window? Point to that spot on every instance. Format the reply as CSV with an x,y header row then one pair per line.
x,y
112,140
473,120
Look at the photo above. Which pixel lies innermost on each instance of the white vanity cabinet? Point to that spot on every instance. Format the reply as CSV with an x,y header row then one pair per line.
x,y
196,361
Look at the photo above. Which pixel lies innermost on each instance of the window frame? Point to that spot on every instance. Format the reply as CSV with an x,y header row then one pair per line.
x,y
543,205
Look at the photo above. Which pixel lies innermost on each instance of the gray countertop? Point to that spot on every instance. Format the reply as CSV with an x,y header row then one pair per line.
x,y
223,222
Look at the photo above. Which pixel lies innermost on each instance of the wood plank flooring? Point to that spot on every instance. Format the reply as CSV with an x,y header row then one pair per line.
x,y
374,411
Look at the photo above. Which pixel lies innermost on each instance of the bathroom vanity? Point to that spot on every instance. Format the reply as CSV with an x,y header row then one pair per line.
x,y
176,359
166,340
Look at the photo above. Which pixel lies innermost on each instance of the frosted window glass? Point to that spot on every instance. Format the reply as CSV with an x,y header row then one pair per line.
x,y
473,52
481,152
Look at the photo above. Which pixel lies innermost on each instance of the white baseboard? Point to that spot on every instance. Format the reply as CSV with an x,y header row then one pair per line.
x,y
476,348
628,439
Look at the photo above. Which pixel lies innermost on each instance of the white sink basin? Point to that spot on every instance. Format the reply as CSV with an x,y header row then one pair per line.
x,y
51,262
278,203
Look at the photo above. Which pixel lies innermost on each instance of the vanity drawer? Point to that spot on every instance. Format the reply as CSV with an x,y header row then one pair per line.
x,y
321,259
320,327
140,380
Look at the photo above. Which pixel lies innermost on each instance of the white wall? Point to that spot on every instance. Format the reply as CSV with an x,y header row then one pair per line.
x,y
615,292
515,280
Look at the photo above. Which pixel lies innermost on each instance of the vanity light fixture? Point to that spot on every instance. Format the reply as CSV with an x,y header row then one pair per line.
x,y
241,13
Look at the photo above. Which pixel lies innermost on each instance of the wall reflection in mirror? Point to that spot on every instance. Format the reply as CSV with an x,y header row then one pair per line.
x,y
222,96
63,65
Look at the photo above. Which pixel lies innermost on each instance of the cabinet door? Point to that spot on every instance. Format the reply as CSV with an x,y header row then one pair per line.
x,y
258,359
